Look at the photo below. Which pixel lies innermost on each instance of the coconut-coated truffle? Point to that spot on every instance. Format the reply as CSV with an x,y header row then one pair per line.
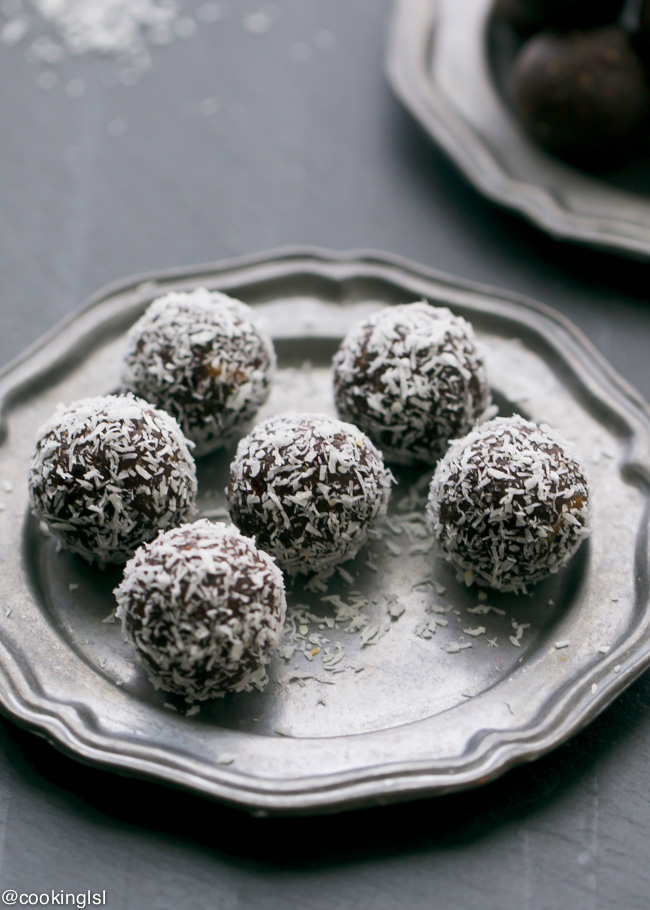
x,y
412,377
508,504
203,609
583,95
308,488
201,356
109,473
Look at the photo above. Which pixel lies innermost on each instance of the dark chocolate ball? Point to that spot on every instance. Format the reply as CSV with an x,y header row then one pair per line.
x,y
412,377
308,488
202,357
582,95
108,474
641,37
508,504
203,609
644,15
530,16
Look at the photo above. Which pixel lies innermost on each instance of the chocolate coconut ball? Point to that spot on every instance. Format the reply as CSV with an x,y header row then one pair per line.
x,y
201,356
308,488
508,504
109,473
529,16
582,95
203,609
412,377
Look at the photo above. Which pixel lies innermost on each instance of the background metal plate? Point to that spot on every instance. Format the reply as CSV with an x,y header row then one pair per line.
x,y
444,62
406,701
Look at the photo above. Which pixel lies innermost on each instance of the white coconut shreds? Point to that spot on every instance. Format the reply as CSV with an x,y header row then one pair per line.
x,y
412,377
108,474
201,356
203,609
112,27
309,488
509,503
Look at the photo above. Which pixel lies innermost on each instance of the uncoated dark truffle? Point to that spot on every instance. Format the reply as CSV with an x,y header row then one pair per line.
x,y
530,16
641,37
509,504
582,95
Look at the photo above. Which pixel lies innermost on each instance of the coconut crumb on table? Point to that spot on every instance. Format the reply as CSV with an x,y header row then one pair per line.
x,y
345,575
453,647
484,609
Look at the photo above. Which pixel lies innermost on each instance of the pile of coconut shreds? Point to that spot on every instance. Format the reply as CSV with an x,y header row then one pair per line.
x,y
53,30
106,26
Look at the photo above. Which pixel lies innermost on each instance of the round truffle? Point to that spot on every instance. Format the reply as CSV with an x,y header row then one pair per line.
x,y
508,504
582,95
108,474
641,38
200,356
412,378
203,609
308,488
529,16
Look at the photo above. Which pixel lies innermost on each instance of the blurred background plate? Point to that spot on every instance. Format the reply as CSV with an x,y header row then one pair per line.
x,y
446,62
394,680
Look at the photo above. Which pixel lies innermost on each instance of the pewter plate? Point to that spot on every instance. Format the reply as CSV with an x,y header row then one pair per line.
x,y
394,680
445,61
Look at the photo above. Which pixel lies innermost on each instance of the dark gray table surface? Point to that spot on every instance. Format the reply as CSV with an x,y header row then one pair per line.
x,y
237,143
